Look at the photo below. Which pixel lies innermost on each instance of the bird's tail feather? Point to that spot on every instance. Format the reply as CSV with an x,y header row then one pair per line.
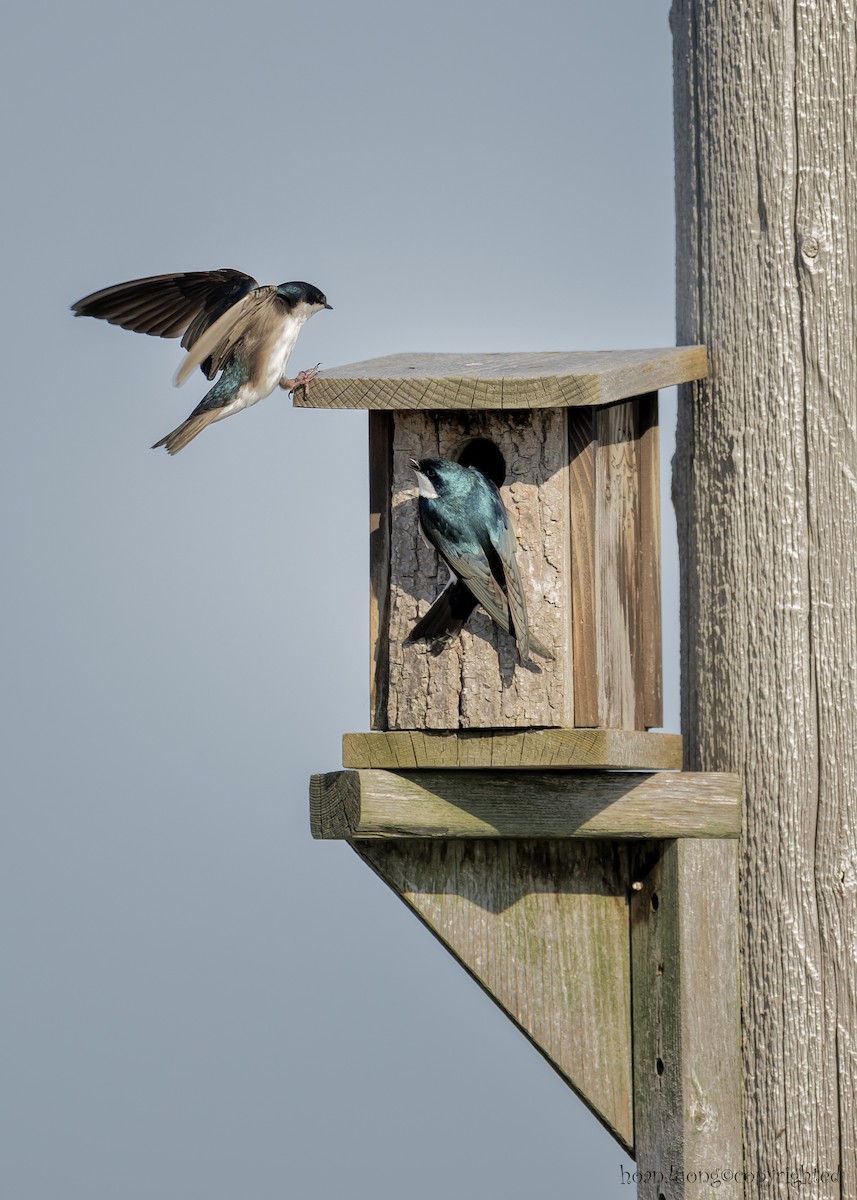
x,y
540,648
447,616
187,431
525,639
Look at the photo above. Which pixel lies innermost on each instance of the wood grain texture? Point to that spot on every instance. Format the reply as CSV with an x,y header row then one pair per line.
x,y
617,583
380,482
549,804
478,680
514,750
648,668
687,1021
543,927
766,157
582,534
615,564
553,379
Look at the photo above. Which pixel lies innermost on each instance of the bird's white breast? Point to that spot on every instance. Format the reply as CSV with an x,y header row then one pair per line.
x,y
268,358
279,351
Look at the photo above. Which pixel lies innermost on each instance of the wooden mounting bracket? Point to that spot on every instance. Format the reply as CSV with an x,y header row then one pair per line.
x,y
598,909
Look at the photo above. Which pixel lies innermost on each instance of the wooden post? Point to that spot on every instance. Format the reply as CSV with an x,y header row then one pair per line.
x,y
766,158
687,1021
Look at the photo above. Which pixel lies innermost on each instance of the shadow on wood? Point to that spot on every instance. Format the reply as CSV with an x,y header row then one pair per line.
x,y
374,804
550,945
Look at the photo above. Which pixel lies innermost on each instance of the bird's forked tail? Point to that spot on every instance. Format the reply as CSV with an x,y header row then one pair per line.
x,y
187,431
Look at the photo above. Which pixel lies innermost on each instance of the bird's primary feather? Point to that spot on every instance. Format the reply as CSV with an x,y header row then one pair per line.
x,y
184,302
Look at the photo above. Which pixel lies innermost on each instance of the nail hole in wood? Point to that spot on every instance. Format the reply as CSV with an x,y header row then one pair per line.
x,y
655,902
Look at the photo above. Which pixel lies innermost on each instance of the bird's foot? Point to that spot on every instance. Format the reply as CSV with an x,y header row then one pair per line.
x,y
301,381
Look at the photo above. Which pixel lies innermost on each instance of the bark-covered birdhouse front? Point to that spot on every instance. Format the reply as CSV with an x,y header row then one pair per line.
x,y
477,678
577,473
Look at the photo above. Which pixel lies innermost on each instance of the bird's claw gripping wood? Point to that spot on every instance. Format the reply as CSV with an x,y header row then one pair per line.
x,y
301,381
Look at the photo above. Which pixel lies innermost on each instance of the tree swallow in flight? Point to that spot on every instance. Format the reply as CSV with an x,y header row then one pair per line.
x,y
464,518
229,325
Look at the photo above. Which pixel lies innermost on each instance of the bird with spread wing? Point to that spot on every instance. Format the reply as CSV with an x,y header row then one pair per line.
x,y
230,326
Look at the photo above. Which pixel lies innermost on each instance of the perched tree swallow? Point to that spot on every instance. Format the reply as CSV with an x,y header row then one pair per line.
x,y
228,323
464,518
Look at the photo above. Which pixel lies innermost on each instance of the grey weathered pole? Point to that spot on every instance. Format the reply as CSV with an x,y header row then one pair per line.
x,y
766,496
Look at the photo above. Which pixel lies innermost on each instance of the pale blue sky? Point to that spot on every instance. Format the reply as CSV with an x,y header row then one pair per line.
x,y
201,1002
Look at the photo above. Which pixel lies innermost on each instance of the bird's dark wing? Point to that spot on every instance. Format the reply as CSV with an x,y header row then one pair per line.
x,y
187,303
505,543
446,617
473,569
495,584
506,546
257,309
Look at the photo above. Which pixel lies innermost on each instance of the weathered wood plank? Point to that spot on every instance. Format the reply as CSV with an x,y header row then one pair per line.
x,y
478,681
547,804
648,668
687,1021
604,749
581,483
380,475
543,927
503,381
617,595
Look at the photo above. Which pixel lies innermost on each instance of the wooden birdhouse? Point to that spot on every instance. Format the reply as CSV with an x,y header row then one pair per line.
x,y
571,439
523,807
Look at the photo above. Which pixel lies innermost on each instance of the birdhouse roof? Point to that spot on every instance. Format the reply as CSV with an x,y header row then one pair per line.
x,y
553,379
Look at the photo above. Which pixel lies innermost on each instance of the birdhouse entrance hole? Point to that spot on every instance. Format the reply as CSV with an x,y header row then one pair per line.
x,y
486,456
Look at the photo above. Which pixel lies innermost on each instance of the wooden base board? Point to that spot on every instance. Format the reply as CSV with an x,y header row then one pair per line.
x,y
623,805
520,749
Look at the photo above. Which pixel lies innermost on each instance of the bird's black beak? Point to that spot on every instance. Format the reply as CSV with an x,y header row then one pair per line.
x,y
330,306
414,463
